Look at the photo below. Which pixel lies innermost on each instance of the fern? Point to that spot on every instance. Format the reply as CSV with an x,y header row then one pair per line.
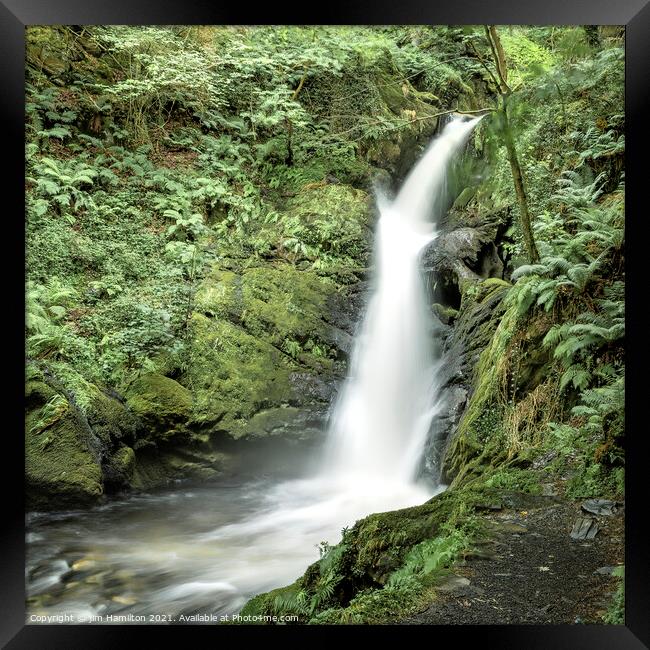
x,y
50,413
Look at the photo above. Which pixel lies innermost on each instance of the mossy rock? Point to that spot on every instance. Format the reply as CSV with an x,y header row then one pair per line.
x,y
110,420
287,421
370,552
232,375
277,304
121,467
447,315
156,468
253,330
59,467
377,544
162,406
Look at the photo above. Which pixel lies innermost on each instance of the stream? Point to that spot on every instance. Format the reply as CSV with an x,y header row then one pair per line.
x,y
189,550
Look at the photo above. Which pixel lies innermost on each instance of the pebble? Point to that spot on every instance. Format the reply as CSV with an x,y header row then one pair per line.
x,y
84,565
128,600
453,584
605,571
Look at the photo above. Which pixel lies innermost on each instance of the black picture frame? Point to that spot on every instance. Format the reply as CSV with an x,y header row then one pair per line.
x,y
15,15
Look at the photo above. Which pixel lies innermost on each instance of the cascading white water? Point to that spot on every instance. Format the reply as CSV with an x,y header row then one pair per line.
x,y
234,544
381,421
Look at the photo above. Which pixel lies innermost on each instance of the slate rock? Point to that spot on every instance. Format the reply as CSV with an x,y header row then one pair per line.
x,y
584,528
600,507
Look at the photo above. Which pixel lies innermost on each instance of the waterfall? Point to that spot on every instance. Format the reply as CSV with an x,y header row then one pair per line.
x,y
381,420
234,544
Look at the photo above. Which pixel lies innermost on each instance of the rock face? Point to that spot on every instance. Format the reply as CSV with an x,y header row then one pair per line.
x,y
162,407
466,250
466,271
270,340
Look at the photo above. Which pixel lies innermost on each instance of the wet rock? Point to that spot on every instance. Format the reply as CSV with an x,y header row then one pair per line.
x,y
84,565
288,422
549,490
466,249
600,507
511,527
344,308
494,507
119,468
124,600
584,528
544,459
307,388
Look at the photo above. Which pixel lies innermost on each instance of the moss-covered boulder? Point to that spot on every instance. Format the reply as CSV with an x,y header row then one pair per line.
x,y
155,467
290,422
59,464
162,406
262,348
232,375
373,549
111,421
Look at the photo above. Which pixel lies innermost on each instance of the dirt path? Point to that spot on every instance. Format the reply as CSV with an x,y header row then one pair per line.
x,y
532,571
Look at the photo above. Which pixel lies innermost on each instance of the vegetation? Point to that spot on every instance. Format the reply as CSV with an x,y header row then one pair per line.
x,y
199,200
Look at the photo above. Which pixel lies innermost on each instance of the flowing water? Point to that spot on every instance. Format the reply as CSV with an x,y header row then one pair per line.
x,y
205,550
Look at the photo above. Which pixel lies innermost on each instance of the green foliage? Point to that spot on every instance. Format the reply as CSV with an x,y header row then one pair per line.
x,y
513,478
615,614
375,606
52,412
526,59
430,556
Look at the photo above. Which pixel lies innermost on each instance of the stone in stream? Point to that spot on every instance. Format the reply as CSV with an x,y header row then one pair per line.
x,y
600,506
584,528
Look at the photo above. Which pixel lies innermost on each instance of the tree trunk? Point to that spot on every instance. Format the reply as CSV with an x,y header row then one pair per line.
x,y
518,179
502,71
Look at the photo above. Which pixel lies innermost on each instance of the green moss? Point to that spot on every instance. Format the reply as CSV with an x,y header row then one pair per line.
x,y
233,374
378,606
282,302
110,419
478,440
58,465
250,331
124,462
615,614
161,404
351,582
266,604
593,480
218,294
446,314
